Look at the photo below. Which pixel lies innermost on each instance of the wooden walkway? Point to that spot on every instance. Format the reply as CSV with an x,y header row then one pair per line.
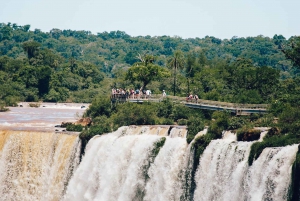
x,y
238,109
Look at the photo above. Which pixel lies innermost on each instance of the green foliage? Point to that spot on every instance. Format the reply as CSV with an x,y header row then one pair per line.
x,y
181,112
235,123
146,71
209,67
75,128
182,122
292,50
134,114
165,108
219,123
99,107
195,125
289,120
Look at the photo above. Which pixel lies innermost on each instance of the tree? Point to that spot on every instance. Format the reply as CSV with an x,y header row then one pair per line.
x,y
176,62
292,51
31,48
146,71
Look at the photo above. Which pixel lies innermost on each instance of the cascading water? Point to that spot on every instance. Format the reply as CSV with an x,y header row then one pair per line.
x,y
221,171
165,181
36,165
269,176
121,166
139,163
224,174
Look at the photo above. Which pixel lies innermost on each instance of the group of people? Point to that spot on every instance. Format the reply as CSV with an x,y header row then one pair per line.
x,y
190,98
137,94
131,93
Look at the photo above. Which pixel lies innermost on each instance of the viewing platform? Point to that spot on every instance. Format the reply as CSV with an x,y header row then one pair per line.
x,y
238,109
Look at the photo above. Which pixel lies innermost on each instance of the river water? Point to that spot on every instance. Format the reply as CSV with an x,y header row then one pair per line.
x,y
43,118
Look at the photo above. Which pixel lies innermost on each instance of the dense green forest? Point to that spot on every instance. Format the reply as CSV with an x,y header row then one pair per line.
x,y
76,66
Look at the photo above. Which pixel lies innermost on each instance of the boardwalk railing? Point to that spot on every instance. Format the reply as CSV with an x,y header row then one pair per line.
x,y
200,103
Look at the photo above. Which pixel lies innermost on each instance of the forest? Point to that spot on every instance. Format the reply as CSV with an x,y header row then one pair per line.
x,y
78,66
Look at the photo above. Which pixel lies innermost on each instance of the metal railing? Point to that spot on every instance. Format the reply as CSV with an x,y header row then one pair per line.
x,y
159,97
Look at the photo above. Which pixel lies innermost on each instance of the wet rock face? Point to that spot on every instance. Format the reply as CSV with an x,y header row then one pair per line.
x,y
84,122
273,131
249,135
65,124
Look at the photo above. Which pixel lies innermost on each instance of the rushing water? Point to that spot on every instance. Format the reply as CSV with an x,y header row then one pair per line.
x,y
138,163
36,165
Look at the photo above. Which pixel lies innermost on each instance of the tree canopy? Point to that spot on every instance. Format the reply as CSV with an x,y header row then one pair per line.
x,y
146,71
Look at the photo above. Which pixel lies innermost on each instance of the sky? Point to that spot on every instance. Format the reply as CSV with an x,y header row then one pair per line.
x,y
183,18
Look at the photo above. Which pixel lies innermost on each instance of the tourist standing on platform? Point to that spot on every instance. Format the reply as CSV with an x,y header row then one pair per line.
x,y
148,93
137,92
164,93
196,98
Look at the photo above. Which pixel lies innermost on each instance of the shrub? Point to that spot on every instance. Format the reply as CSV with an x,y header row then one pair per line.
x,y
73,127
99,107
34,105
135,114
165,121
195,125
182,121
165,108
235,123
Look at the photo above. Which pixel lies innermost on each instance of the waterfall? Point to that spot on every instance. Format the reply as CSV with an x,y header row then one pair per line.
x,y
119,166
165,180
221,171
36,165
269,176
136,163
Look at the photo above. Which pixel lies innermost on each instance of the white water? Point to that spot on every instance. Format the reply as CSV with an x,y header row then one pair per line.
x,y
269,176
36,165
117,166
224,174
165,179
122,166
221,172
228,135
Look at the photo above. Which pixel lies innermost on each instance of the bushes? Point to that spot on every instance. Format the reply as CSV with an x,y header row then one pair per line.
x,y
194,126
73,127
134,114
289,120
219,123
99,107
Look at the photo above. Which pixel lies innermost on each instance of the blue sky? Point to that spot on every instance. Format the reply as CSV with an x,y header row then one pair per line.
x,y
184,18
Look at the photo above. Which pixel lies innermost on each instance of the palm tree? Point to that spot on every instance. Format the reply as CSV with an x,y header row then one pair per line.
x,y
176,62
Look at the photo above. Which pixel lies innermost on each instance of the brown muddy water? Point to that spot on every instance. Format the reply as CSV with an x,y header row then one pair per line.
x,y
43,118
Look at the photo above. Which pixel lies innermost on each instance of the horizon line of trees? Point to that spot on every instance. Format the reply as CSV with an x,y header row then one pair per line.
x,y
67,65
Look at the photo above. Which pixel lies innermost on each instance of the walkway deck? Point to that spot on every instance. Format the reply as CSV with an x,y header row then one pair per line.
x,y
239,109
